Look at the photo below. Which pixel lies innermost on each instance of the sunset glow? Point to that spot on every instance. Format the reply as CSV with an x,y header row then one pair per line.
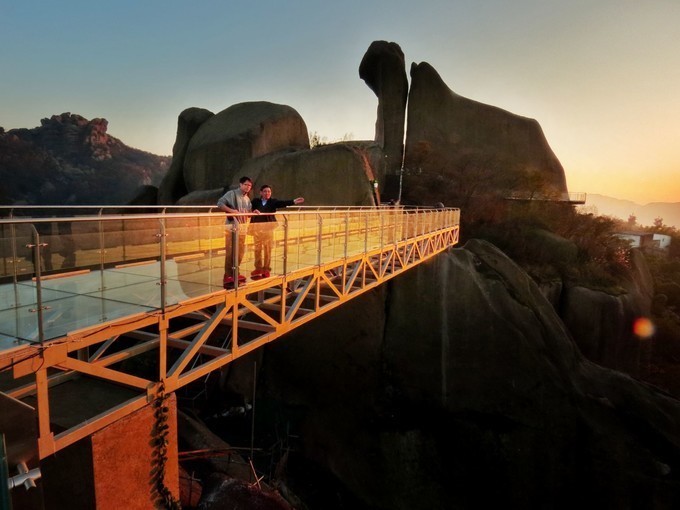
x,y
599,77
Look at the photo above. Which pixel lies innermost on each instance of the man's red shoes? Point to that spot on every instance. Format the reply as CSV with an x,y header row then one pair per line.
x,y
258,274
228,281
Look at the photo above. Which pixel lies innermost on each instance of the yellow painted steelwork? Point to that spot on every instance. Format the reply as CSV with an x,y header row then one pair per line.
x,y
323,257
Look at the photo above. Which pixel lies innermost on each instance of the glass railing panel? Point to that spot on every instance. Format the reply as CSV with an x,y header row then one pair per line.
x,y
356,233
19,258
374,234
7,261
332,236
278,248
302,245
132,240
195,256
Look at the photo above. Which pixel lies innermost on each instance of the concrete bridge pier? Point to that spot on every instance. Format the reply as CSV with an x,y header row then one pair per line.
x,y
132,464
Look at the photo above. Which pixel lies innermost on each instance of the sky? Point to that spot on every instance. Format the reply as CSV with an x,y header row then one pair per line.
x,y
602,77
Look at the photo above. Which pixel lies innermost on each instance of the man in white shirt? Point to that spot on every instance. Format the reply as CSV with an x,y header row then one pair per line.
x,y
235,201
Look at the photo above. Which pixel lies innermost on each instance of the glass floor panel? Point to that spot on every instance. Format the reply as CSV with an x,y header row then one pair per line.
x,y
83,300
60,317
25,294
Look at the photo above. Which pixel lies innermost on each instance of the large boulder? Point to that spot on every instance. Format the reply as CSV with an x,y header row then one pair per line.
x,y
470,147
225,141
458,386
384,71
339,174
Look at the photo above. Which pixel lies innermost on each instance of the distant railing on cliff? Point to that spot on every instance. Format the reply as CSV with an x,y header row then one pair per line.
x,y
573,198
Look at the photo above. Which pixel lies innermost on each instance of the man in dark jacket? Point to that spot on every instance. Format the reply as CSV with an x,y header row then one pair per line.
x,y
263,229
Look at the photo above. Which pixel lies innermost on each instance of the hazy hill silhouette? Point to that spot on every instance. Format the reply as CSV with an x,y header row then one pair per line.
x,y
71,160
645,214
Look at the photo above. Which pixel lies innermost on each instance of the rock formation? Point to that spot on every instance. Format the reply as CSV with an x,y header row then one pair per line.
x,y
173,186
472,395
456,148
384,71
602,324
269,143
470,147
71,160
224,142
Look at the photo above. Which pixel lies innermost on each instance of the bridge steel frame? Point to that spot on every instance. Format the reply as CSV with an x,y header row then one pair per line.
x,y
183,335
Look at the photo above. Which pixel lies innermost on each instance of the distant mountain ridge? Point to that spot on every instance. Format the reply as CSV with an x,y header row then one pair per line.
x,y
69,159
645,214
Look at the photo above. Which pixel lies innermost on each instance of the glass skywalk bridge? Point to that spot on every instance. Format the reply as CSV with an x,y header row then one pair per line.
x,y
83,292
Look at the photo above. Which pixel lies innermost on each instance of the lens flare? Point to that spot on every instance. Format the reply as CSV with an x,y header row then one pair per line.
x,y
643,327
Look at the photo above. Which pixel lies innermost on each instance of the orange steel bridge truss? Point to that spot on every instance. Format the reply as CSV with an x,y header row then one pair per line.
x,y
352,250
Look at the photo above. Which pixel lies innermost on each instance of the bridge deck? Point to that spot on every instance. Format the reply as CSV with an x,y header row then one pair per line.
x,y
127,297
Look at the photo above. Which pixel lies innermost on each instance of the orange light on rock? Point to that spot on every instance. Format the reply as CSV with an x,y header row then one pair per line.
x,y
643,327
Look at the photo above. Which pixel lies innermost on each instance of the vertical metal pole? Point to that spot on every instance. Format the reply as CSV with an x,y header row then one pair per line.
x,y
365,231
234,252
405,226
38,283
346,233
319,226
252,417
4,252
210,248
15,261
122,235
285,244
382,230
163,268
101,242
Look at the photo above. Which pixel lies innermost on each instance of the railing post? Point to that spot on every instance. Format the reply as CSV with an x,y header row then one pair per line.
x,y
15,259
210,245
319,228
163,282
101,241
346,234
235,251
38,281
382,231
285,244
365,231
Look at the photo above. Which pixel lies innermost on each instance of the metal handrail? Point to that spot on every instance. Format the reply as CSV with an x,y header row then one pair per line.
x,y
328,231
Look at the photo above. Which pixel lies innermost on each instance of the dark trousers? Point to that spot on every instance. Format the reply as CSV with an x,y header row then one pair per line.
x,y
263,236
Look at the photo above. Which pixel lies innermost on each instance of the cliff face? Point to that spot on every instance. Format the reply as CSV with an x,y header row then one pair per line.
x,y
458,386
71,160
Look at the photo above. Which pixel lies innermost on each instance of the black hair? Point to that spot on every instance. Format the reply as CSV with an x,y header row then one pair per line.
x,y
245,179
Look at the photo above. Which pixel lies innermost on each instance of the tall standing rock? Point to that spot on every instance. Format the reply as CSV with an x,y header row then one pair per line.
x,y
384,71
